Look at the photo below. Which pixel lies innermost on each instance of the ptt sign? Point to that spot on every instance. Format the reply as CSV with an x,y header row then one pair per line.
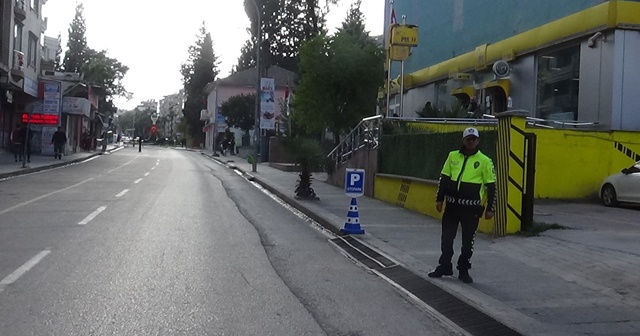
x,y
404,35
354,182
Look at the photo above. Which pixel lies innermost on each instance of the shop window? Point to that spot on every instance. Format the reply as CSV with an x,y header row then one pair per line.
x,y
558,83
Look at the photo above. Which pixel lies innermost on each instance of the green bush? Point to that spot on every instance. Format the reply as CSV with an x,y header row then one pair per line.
x,y
422,155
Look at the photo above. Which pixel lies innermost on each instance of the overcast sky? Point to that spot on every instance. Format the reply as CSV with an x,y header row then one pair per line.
x,y
152,37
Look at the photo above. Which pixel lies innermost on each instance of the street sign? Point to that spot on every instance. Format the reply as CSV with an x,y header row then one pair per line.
x,y
354,182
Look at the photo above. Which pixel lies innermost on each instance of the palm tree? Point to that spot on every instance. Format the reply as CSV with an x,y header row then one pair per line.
x,y
306,154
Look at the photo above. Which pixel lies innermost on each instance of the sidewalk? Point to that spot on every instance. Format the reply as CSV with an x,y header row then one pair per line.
x,y
10,168
579,281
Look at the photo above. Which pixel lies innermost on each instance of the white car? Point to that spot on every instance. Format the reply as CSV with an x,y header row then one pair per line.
x,y
622,187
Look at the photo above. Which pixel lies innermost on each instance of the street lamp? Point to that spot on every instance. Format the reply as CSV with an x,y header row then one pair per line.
x,y
256,132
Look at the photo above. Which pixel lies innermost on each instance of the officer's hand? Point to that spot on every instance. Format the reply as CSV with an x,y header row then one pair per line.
x,y
488,215
439,206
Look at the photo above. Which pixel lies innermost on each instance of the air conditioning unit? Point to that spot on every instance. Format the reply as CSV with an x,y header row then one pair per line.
x,y
204,115
18,60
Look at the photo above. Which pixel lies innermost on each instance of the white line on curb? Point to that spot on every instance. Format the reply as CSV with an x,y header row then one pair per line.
x,y
122,193
137,181
92,215
11,278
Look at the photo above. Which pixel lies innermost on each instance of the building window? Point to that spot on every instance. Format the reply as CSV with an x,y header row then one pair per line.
x,y
33,51
35,5
558,83
17,37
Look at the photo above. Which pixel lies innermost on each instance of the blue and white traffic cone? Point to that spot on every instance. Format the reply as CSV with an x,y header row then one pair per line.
x,y
352,225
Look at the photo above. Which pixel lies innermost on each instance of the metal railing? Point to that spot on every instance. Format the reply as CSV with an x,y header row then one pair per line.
x,y
365,135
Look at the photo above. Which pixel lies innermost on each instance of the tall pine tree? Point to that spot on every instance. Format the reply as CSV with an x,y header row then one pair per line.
x,y
200,69
57,63
75,57
285,25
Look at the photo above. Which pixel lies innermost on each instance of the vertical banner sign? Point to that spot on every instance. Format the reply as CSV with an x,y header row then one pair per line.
x,y
267,103
51,106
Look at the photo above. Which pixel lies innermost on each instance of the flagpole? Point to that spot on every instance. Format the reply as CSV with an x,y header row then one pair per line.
x,y
391,19
404,22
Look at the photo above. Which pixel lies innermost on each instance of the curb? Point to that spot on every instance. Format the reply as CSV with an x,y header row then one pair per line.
x,y
322,220
51,166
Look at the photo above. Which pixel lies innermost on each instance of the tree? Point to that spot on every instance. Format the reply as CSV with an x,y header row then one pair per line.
x,y
75,56
107,73
239,111
57,62
285,25
327,95
200,69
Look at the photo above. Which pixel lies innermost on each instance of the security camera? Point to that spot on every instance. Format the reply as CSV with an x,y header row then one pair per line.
x,y
591,42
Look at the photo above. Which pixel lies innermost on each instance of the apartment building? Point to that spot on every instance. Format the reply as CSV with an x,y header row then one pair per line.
x,y
21,30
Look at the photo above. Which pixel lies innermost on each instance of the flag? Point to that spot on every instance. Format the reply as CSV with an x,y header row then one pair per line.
x,y
287,97
393,16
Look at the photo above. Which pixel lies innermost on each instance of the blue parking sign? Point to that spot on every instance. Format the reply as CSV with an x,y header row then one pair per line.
x,y
354,182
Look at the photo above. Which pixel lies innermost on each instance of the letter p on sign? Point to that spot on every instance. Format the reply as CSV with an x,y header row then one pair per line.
x,y
354,182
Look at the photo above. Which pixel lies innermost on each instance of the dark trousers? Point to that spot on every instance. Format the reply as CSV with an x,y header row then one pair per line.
x,y
17,151
57,149
26,150
468,219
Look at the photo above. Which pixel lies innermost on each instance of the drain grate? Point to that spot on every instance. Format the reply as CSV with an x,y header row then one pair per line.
x,y
469,318
363,253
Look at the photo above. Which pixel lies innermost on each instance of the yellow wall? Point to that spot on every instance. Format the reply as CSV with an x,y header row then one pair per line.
x,y
571,164
416,195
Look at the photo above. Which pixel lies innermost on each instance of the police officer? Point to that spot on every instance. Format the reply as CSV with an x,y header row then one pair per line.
x,y
466,176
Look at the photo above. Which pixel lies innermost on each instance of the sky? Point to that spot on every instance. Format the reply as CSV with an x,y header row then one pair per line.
x,y
152,37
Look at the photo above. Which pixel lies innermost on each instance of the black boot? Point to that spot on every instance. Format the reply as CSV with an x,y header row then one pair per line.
x,y
440,271
464,276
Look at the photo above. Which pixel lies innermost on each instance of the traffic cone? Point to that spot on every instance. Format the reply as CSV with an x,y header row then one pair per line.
x,y
352,225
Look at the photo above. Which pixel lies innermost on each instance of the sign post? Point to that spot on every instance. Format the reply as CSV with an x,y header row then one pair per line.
x,y
354,187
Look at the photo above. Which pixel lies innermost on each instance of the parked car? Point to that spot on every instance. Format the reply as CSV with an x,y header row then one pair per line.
x,y
622,187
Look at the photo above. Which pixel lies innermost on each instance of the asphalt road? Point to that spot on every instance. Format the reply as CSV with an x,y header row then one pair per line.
x,y
168,242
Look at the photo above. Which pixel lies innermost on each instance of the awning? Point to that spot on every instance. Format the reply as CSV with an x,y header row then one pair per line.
x,y
469,91
503,84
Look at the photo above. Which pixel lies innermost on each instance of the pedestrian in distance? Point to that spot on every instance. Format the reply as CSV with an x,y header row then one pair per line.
x,y
467,175
16,143
58,140
26,134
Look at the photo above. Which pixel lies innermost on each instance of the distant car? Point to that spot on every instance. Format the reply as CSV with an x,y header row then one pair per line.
x,y
622,187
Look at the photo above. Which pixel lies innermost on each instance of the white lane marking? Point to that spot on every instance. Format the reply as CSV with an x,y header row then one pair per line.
x,y
157,163
11,278
43,196
137,181
122,193
147,174
92,215
152,168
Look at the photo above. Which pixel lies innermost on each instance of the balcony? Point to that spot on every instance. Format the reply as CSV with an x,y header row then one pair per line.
x,y
20,10
17,72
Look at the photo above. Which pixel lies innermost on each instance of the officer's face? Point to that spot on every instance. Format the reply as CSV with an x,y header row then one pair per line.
x,y
471,142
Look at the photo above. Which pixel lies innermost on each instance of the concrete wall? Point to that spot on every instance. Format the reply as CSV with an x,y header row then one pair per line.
x,y
415,194
626,97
